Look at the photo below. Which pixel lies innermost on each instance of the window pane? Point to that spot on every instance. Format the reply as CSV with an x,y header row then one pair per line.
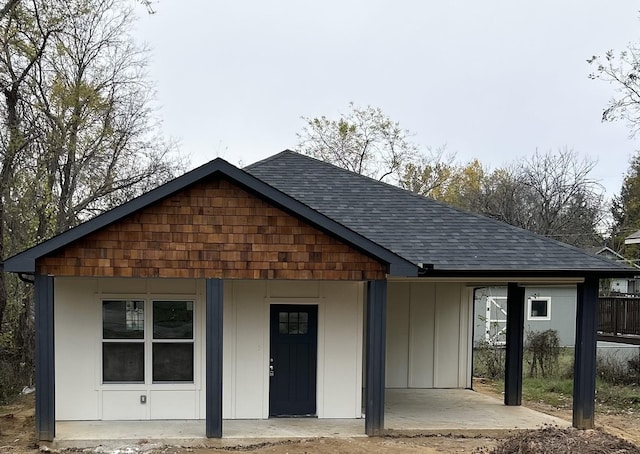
x,y
122,362
283,317
538,308
173,319
123,319
173,362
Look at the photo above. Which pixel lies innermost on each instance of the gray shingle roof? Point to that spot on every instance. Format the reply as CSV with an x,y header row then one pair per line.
x,y
417,228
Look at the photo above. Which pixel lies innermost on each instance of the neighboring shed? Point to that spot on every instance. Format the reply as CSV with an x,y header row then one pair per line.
x,y
282,289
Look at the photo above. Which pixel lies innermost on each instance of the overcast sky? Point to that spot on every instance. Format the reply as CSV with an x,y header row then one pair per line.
x,y
493,80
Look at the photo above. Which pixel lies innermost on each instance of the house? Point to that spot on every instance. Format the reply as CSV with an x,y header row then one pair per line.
x,y
547,307
282,289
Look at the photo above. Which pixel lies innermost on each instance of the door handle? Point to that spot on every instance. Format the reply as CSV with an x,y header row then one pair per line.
x,y
271,371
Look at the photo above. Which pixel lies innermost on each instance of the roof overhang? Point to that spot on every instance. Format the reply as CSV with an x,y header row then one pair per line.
x,y
540,275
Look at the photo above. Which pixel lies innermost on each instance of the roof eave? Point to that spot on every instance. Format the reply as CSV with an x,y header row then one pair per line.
x,y
550,273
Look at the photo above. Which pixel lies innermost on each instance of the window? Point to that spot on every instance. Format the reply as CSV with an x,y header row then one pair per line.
x,y
293,322
123,341
539,308
172,341
126,341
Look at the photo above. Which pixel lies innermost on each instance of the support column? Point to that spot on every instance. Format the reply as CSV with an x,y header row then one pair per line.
x,y
584,373
514,349
375,356
214,311
45,417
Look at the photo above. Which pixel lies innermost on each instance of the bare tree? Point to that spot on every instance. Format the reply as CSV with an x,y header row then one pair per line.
x,y
79,134
623,72
548,193
364,140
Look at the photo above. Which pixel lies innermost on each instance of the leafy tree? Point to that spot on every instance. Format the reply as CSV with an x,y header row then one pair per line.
x,y
365,141
78,136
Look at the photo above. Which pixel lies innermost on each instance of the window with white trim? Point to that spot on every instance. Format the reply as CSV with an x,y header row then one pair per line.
x,y
128,337
539,308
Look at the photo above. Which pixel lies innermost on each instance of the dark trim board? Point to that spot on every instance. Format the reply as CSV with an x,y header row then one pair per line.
x,y
584,375
213,347
515,348
45,420
375,356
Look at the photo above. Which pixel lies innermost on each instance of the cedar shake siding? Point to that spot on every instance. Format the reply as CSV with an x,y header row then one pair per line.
x,y
213,229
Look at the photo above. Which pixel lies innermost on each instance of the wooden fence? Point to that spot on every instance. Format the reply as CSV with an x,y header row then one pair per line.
x,y
619,319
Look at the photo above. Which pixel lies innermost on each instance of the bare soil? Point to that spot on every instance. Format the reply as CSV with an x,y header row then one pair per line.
x,y
616,434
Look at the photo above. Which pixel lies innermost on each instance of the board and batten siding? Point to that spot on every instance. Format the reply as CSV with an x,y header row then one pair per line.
x,y
80,394
429,329
246,345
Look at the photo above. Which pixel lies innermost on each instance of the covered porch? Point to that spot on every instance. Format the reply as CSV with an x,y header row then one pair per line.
x,y
407,411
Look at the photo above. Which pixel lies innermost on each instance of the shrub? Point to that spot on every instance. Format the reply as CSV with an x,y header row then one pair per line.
x,y
618,371
544,348
489,360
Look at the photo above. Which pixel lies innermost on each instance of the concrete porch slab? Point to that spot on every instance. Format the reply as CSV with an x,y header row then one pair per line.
x,y
457,410
426,411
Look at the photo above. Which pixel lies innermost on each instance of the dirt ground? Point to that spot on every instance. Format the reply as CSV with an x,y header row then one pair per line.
x,y
17,436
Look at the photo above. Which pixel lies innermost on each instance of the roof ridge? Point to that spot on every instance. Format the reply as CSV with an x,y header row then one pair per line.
x,y
268,159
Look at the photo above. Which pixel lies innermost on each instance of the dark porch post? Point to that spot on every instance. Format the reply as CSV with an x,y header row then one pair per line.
x,y
584,373
214,297
515,332
45,418
375,356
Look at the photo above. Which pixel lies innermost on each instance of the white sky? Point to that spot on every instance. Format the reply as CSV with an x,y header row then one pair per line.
x,y
491,79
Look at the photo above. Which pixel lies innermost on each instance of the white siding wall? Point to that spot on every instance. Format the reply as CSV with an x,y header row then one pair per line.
x,y
428,335
80,395
246,345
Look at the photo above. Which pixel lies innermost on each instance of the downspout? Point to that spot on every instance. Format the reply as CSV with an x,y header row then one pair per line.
x,y
24,278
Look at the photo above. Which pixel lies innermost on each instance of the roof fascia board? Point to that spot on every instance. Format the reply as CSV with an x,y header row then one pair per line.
x,y
512,274
24,262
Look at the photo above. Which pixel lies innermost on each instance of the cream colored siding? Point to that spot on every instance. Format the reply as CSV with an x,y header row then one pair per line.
x,y
432,323
246,345
80,393
77,358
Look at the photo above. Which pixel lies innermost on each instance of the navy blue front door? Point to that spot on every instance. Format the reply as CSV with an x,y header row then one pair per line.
x,y
293,362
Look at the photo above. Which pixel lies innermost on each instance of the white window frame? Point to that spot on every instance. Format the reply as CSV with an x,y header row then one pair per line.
x,y
148,341
532,317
